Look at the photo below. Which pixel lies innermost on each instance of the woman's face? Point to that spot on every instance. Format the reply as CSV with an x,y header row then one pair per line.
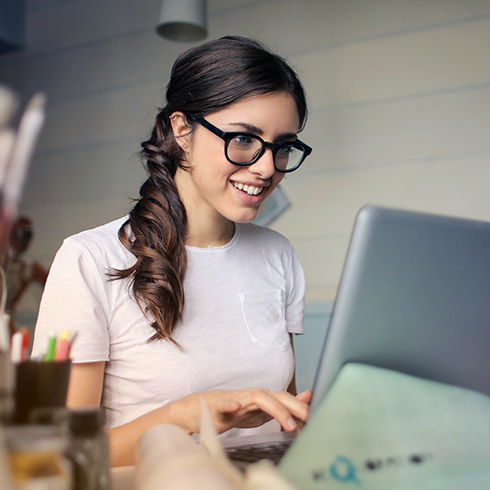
x,y
213,185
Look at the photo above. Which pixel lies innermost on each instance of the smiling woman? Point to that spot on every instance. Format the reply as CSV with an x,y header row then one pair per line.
x,y
184,298
210,183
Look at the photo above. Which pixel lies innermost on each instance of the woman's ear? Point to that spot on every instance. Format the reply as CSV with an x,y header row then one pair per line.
x,y
181,129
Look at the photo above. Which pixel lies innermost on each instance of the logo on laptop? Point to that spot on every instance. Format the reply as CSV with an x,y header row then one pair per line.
x,y
343,470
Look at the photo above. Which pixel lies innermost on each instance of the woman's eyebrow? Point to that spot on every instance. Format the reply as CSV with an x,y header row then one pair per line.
x,y
248,127
256,130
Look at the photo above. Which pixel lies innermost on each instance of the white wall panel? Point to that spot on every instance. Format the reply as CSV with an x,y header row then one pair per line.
x,y
322,258
416,62
110,64
53,223
12,75
307,25
98,117
325,203
110,170
72,23
409,129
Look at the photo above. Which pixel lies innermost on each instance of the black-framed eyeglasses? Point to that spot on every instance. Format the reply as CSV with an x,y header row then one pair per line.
x,y
243,148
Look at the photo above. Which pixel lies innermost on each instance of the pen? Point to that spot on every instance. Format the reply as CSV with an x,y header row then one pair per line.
x,y
4,331
51,348
63,346
26,336
16,350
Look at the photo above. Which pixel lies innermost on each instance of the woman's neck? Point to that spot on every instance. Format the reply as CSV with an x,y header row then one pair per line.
x,y
208,233
206,227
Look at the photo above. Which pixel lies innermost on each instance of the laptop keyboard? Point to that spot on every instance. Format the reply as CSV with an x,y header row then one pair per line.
x,y
273,451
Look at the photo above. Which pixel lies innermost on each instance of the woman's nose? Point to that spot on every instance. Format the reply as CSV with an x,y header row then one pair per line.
x,y
264,166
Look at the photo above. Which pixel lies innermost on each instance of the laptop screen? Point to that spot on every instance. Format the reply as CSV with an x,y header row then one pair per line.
x,y
415,298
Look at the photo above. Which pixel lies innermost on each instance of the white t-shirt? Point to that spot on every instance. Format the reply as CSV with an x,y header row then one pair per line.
x,y
241,301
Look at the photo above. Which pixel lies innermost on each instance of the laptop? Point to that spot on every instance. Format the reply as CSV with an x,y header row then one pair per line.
x,y
414,297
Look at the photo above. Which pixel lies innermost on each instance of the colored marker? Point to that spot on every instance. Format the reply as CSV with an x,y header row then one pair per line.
x,y
4,332
51,348
26,338
63,346
16,349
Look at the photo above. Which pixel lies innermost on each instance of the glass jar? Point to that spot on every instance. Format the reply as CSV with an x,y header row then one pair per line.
x,y
88,450
36,457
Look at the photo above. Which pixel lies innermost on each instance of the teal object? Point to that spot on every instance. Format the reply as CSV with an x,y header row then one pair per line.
x,y
382,430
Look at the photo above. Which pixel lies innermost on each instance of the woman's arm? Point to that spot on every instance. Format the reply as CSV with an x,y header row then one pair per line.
x,y
233,408
85,390
86,381
292,385
228,408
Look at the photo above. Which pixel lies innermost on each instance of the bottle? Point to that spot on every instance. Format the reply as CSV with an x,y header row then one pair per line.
x,y
89,450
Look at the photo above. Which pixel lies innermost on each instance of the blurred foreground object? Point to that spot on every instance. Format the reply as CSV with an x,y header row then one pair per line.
x,y
169,459
16,149
379,429
89,450
20,272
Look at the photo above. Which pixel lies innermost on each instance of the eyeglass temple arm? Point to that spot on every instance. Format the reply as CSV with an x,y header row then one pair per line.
x,y
208,126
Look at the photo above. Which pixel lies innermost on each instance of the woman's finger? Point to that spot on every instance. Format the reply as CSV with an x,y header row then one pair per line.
x,y
281,406
251,408
227,405
296,406
305,396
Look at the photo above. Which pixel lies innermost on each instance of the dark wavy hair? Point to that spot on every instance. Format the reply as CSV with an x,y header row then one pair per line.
x,y
204,80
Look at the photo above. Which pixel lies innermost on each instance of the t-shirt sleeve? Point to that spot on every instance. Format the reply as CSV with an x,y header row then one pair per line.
x,y
295,301
74,300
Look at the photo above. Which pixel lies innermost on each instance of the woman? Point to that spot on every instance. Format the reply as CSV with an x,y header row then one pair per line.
x,y
220,146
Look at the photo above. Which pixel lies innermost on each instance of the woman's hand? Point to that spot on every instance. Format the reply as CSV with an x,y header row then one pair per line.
x,y
228,408
244,409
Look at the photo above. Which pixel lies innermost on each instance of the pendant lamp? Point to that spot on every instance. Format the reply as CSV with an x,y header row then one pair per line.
x,y
183,20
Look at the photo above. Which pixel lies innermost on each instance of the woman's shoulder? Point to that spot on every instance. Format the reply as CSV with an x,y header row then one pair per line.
x,y
100,242
105,232
261,234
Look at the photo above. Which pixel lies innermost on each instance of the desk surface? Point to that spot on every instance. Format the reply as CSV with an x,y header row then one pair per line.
x,y
123,478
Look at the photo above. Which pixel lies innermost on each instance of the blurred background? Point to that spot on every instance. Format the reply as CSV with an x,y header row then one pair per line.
x,y
399,96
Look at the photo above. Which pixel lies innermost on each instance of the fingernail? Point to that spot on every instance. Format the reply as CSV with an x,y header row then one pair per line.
x,y
291,424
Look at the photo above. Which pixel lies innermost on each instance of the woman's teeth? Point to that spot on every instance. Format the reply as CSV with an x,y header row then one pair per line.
x,y
249,189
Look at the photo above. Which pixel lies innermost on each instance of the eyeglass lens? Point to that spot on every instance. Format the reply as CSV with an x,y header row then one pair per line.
x,y
243,149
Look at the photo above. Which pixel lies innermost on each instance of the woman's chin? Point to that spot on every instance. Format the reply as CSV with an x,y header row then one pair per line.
x,y
244,217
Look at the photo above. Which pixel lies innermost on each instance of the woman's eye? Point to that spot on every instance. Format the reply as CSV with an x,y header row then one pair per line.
x,y
286,149
243,139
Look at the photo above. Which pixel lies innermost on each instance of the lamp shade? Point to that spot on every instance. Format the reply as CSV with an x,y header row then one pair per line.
x,y
183,20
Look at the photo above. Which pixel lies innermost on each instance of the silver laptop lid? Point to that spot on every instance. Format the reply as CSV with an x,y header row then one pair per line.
x,y
414,297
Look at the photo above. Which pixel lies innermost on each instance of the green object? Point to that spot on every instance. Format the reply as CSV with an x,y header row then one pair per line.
x,y
51,349
382,430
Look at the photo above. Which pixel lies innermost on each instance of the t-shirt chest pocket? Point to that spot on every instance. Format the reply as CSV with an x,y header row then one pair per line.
x,y
264,313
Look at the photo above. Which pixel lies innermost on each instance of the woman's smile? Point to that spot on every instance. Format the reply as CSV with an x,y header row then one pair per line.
x,y
248,194
250,189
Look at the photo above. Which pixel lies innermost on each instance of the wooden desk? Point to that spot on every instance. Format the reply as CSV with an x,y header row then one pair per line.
x,y
123,478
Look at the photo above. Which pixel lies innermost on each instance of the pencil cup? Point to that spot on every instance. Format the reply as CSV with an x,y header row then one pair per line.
x,y
6,386
40,390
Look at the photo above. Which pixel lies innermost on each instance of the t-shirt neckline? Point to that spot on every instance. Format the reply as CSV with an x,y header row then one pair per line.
x,y
220,248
